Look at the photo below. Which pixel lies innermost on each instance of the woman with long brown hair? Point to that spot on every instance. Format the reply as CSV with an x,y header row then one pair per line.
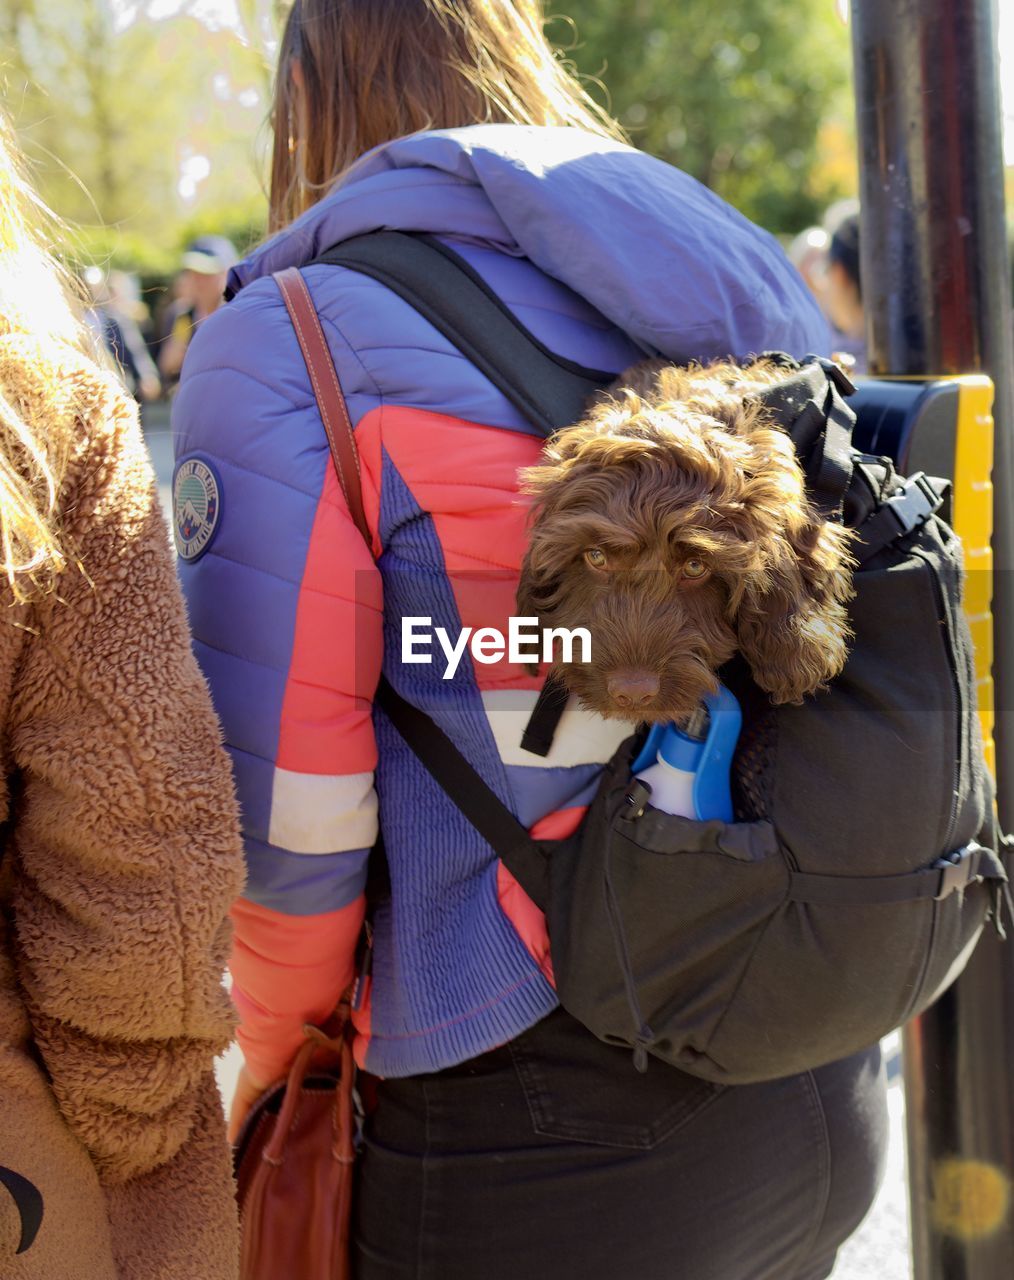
x,y
120,850
505,1139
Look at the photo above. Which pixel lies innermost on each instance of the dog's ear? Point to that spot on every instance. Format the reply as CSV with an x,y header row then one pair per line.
x,y
533,587
538,586
541,578
548,553
791,619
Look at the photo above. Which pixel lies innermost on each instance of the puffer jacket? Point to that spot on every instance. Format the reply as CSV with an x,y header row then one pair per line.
x,y
120,857
604,254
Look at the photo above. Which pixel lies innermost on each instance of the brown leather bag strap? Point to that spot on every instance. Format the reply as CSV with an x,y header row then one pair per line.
x,y
342,1148
274,1150
327,390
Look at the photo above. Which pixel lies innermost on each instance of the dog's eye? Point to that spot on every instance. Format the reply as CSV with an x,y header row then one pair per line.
x,y
694,569
596,557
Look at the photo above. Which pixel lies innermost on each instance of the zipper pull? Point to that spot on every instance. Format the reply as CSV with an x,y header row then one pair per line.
x,y
637,797
642,1040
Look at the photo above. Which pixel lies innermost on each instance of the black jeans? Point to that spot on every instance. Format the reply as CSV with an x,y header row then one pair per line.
x,y
552,1159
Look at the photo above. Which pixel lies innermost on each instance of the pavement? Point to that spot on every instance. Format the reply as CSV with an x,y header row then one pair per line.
x,y
879,1249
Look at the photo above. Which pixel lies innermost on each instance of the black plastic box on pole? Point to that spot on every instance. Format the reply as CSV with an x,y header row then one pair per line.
x,y
936,289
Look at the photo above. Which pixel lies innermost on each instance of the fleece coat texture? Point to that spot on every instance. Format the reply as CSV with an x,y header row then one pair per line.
x,y
121,856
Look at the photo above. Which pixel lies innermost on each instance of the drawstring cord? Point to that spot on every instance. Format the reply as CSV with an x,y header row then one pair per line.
x,y
1002,895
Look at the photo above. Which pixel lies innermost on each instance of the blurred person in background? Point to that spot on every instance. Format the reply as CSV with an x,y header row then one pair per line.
x,y
112,317
505,1140
120,848
126,300
199,288
808,254
843,293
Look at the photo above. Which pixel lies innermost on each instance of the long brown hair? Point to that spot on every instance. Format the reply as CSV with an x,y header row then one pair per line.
x,y
375,70
38,318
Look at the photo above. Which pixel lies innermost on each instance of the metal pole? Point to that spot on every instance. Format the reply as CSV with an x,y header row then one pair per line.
x,y
936,285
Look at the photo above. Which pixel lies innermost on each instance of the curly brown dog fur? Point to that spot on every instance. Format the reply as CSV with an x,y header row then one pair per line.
x,y
673,523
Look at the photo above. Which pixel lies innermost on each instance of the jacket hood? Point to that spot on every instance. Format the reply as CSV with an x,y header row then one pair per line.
x,y
658,254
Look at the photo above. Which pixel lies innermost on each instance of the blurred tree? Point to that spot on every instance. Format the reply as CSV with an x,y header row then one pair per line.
x,y
13,14
736,94
144,117
260,23
135,126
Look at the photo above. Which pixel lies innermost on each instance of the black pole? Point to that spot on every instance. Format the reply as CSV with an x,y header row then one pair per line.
x,y
936,285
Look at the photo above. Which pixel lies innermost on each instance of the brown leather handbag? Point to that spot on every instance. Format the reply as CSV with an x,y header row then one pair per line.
x,y
294,1163
295,1156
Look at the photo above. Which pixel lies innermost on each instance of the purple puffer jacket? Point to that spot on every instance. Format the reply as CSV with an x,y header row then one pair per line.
x,y
605,254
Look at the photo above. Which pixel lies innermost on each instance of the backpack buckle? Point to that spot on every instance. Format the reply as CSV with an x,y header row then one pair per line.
x,y
835,374
914,503
957,871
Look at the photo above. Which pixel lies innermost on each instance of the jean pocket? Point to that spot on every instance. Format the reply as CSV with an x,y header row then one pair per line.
x,y
580,1089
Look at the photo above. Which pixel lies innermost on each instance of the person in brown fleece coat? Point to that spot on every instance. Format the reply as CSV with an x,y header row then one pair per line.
x,y
120,848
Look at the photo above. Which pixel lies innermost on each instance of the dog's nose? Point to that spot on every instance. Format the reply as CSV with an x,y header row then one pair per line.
x,y
632,689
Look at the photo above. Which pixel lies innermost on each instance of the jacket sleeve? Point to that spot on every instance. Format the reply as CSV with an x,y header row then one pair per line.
x,y
286,610
126,832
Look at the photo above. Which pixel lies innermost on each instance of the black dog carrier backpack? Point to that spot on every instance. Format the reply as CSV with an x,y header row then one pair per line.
x,y
864,858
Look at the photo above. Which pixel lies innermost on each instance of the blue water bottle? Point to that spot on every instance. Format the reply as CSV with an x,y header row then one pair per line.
x,y
687,770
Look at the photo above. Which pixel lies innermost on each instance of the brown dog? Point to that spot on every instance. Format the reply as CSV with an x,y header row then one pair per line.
x,y
673,523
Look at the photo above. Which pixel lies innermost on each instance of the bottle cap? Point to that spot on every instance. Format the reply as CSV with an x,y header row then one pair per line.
x,y
680,750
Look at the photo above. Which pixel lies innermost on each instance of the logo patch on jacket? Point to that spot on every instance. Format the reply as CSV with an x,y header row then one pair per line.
x,y
197,506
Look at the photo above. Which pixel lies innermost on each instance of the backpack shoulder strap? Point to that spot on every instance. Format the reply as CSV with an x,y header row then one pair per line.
x,y
474,799
548,390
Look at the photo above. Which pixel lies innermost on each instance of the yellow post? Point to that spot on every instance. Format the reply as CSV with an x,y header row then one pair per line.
x,y
972,519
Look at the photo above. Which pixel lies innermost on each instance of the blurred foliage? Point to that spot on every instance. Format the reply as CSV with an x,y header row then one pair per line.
x,y
752,99
261,22
139,131
144,122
